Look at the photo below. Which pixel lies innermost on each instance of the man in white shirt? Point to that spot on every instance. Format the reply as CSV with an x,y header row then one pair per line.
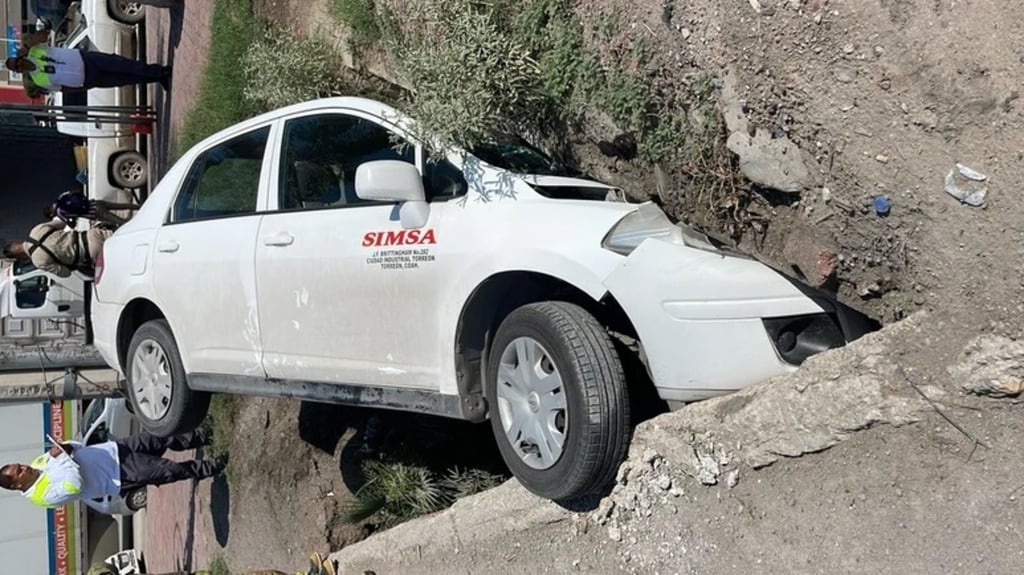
x,y
72,471
52,68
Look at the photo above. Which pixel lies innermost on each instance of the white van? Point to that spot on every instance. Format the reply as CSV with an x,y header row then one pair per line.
x,y
114,162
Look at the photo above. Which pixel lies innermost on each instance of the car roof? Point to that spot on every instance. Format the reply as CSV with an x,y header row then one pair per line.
x,y
357,103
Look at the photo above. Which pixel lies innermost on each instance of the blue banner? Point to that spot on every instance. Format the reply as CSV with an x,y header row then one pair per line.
x,y
13,41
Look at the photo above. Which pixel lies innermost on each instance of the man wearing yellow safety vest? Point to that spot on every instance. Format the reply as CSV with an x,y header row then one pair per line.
x,y
51,68
72,471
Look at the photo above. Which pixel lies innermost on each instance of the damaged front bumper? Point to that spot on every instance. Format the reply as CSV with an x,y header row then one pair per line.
x,y
710,324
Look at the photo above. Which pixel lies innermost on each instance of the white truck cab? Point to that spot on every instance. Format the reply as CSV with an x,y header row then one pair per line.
x,y
114,163
30,293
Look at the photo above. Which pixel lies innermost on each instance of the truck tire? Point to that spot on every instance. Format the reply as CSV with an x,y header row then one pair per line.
x,y
562,425
158,388
129,170
126,11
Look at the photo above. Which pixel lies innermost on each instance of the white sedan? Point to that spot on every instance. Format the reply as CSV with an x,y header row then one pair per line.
x,y
317,252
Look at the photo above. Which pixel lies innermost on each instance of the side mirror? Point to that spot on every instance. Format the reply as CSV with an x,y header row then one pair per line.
x,y
389,181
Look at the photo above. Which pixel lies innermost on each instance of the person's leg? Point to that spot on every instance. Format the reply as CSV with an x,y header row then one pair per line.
x,y
142,469
104,70
149,444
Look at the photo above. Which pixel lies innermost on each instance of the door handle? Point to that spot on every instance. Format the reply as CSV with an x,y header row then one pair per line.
x,y
168,247
280,239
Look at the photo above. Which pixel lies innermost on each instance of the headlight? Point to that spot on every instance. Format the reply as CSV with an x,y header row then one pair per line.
x,y
648,221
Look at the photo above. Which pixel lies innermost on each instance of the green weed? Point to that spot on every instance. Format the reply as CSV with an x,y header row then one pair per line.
x,y
218,566
361,19
396,492
220,102
280,70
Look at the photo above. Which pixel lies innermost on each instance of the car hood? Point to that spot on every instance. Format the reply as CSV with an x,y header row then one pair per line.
x,y
567,188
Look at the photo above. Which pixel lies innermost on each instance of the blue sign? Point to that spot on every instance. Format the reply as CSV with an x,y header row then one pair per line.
x,y
13,41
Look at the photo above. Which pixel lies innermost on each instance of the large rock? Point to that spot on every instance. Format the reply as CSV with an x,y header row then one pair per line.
x,y
833,396
773,162
990,365
495,515
766,158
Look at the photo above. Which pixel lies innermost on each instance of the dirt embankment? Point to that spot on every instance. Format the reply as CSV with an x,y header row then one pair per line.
x,y
876,458
834,104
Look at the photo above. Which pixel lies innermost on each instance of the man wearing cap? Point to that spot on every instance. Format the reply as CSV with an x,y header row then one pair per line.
x,y
72,205
52,68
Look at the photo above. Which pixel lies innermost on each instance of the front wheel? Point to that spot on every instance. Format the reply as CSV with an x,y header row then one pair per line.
x,y
158,389
558,401
137,499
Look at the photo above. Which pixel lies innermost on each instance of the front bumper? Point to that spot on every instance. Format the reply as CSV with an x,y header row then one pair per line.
x,y
711,325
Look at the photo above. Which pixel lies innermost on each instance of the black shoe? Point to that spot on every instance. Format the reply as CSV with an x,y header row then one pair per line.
x,y
220,463
204,435
208,468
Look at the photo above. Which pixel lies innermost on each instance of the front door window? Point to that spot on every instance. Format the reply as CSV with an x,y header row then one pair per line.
x,y
321,154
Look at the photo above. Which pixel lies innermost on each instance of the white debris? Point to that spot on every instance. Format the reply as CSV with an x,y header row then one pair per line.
x,y
663,482
970,197
971,174
614,533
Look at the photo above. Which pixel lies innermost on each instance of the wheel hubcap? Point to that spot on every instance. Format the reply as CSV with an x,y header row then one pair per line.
x,y
532,403
132,171
151,380
131,8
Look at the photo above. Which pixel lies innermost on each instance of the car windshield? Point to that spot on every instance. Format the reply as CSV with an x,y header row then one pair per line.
x,y
514,154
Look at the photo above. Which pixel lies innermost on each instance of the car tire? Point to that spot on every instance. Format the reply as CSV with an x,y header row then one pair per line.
x,y
137,499
594,425
158,388
126,12
129,170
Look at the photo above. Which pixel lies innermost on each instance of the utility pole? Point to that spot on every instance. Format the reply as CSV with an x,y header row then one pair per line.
x,y
40,385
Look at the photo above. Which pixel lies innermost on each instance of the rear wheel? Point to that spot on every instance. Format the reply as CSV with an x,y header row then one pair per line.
x,y
158,389
558,401
126,12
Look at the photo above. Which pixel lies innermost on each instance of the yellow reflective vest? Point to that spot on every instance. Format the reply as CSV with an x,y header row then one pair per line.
x,y
59,481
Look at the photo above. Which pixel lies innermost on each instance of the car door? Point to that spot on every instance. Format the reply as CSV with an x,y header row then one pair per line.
x,y
204,272
346,295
